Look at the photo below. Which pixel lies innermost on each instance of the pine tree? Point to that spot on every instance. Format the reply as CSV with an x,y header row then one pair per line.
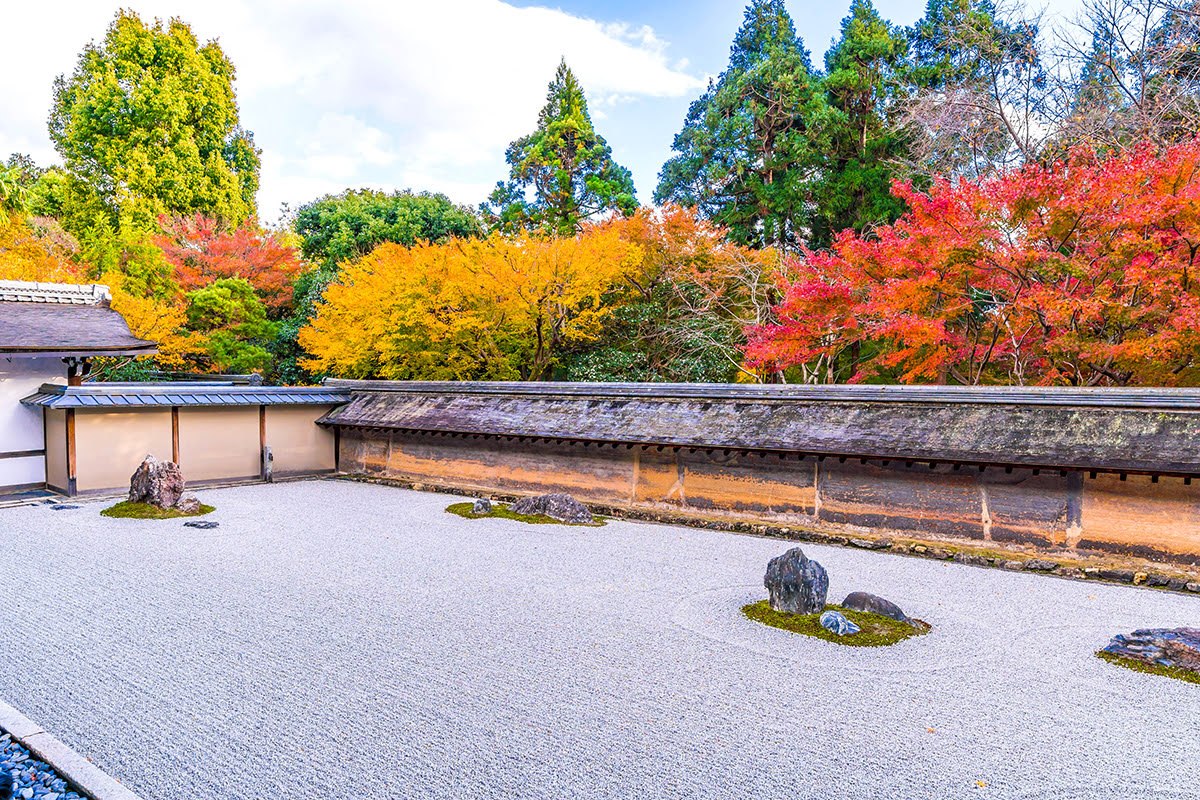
x,y
566,165
745,156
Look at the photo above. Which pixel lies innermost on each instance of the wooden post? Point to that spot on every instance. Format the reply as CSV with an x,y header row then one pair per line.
x,y
175,434
70,452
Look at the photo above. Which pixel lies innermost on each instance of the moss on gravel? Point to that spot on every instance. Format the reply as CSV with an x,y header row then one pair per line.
x,y
130,510
877,630
502,511
1178,673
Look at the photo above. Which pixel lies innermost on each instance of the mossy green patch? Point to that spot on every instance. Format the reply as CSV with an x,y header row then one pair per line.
x,y
502,511
130,510
877,630
1137,665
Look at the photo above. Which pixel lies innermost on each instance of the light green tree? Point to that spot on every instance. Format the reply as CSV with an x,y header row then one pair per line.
x,y
147,124
562,173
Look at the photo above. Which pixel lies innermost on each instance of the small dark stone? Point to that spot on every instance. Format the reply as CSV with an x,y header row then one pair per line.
x,y
795,583
1122,575
202,524
561,507
971,558
1040,565
1157,580
874,604
1167,647
482,506
1178,584
59,507
872,544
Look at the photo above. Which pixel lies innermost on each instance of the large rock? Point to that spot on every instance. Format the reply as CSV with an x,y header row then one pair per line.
x,y
874,604
481,507
1168,647
159,483
561,507
795,583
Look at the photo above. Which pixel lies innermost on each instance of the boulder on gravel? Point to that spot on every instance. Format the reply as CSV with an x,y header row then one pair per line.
x,y
481,506
561,507
874,604
836,622
1167,647
159,483
795,583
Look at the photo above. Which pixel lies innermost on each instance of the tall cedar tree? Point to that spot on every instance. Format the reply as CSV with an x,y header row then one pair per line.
x,y
864,78
566,165
147,124
747,156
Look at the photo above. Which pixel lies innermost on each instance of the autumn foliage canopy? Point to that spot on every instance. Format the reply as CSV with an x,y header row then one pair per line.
x,y
1081,272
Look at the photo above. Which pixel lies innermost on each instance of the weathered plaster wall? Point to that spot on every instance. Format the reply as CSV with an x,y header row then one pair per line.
x,y
1044,508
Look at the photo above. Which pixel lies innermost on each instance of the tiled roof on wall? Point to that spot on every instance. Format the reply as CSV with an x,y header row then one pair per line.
x,y
141,395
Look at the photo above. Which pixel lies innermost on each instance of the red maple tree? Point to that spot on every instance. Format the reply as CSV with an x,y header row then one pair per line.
x,y
1077,272
202,251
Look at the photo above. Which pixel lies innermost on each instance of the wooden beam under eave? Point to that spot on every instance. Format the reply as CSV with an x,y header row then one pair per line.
x,y
175,434
71,483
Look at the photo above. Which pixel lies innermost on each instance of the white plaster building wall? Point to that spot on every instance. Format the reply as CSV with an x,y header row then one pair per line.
x,y
21,426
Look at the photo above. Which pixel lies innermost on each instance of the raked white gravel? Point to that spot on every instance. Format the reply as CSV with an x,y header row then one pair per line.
x,y
342,640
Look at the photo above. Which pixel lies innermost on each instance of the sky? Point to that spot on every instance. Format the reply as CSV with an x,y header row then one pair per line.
x,y
419,95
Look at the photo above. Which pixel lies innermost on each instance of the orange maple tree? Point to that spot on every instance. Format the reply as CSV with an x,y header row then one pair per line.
x,y
202,251
1078,272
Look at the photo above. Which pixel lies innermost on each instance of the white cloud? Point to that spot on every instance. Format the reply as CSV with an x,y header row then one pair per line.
x,y
350,93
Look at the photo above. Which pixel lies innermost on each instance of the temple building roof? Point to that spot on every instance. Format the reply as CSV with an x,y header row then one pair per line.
x,y
56,319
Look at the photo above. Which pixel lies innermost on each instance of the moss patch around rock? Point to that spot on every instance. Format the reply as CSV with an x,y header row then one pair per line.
x,y
877,630
1178,673
501,511
129,510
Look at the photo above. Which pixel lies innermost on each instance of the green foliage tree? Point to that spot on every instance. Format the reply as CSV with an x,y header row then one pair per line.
x,y
864,77
147,124
563,173
234,323
747,155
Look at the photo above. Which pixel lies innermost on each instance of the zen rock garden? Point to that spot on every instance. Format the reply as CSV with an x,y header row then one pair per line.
x,y
544,508
157,491
797,588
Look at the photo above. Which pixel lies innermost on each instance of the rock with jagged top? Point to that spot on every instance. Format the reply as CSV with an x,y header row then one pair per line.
x,y
561,507
1166,647
159,483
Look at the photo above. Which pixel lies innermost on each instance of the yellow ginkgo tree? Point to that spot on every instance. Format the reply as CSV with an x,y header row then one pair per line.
x,y
499,308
